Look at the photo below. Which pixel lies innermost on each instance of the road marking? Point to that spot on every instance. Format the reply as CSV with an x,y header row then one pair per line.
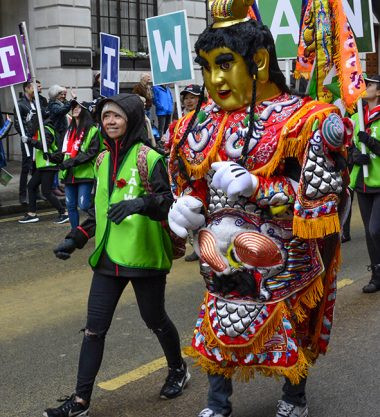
x,y
132,376
344,283
10,219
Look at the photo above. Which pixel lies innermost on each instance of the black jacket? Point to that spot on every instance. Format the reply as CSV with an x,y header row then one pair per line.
x,y
27,110
156,204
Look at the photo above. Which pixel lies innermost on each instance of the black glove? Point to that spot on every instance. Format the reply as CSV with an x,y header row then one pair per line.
x,y
364,137
360,158
46,156
119,211
65,248
67,164
56,157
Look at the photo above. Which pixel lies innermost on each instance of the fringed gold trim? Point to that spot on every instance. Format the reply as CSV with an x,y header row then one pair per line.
x,y
310,298
255,344
244,373
315,228
295,147
200,170
330,276
301,74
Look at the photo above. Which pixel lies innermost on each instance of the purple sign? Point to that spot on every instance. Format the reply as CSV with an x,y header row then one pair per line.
x,y
11,64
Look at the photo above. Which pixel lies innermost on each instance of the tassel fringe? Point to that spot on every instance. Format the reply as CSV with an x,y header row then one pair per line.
x,y
315,228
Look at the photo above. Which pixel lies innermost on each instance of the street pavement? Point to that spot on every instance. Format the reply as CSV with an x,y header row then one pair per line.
x,y
43,308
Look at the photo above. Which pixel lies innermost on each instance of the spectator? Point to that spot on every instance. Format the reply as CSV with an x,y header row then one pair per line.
x,y
368,189
131,246
96,87
43,175
58,108
81,148
5,127
144,89
27,110
190,96
43,100
163,101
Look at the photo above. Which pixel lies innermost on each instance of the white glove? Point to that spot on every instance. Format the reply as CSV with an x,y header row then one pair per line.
x,y
25,139
184,215
233,180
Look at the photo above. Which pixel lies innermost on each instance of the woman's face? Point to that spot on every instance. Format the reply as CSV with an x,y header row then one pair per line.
x,y
190,102
62,95
114,125
373,94
77,110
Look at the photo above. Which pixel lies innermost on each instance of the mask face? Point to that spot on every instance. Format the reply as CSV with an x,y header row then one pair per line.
x,y
227,78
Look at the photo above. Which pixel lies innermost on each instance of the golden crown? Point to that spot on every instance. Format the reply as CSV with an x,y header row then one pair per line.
x,y
229,12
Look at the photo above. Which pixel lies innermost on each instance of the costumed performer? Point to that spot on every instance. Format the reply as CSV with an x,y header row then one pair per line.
x,y
261,181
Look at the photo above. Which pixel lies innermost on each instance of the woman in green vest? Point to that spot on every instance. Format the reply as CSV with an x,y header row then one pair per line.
x,y
131,245
44,174
368,189
81,146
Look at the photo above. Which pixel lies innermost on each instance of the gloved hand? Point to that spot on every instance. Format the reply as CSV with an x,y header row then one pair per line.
x,y
65,248
185,214
119,211
364,137
233,179
360,158
67,164
56,157
46,156
26,139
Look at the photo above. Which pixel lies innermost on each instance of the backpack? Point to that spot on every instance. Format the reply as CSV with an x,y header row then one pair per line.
x,y
178,244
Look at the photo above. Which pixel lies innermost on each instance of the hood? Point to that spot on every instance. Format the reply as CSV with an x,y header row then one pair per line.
x,y
134,109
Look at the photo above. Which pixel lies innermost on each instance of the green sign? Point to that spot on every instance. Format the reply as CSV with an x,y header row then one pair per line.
x,y
169,48
283,18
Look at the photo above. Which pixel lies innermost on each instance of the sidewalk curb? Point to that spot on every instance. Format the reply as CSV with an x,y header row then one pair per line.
x,y
12,208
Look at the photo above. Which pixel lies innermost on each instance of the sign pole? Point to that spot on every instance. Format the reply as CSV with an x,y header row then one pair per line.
x,y
288,63
362,128
24,32
21,124
178,100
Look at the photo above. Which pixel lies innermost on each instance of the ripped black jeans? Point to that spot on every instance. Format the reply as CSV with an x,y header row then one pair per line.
x,y
104,295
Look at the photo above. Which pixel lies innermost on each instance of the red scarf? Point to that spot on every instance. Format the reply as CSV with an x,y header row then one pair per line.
x,y
74,142
371,116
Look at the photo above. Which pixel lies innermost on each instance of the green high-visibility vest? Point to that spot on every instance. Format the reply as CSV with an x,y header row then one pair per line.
x,y
138,241
40,161
86,170
373,179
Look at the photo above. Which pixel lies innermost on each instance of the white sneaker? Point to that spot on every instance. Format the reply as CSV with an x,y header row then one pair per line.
x,y
207,412
285,409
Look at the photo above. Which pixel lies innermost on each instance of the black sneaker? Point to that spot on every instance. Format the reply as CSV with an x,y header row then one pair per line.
x,y
175,382
69,408
62,218
29,219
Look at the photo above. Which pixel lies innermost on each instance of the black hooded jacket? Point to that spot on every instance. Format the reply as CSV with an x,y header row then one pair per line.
x,y
156,204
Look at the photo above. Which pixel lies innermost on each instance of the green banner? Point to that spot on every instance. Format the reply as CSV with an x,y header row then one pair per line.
x,y
283,18
169,48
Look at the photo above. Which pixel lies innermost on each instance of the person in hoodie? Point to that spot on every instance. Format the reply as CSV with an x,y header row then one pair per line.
x,y
368,189
130,246
163,101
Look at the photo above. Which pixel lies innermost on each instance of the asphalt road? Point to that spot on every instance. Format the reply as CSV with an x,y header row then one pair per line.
x,y
43,307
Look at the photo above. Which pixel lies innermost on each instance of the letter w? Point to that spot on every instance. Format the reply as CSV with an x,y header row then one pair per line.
x,y
174,53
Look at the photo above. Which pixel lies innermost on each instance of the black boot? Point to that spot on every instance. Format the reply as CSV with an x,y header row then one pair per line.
x,y
374,283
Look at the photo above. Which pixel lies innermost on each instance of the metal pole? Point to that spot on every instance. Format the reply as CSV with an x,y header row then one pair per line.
x,y
24,32
288,63
178,100
362,128
21,124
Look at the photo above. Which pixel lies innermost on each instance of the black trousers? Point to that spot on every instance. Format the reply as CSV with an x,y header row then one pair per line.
x,y
369,205
104,295
163,124
26,169
46,179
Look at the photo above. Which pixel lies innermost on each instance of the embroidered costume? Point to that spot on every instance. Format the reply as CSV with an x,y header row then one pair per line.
x,y
269,260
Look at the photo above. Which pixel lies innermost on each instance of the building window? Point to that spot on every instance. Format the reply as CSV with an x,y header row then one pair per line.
x,y
124,18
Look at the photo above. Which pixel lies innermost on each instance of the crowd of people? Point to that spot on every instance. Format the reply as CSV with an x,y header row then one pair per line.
x,y
254,174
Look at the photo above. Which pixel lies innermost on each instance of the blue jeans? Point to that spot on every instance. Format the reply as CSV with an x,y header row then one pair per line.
x,y
220,389
77,195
